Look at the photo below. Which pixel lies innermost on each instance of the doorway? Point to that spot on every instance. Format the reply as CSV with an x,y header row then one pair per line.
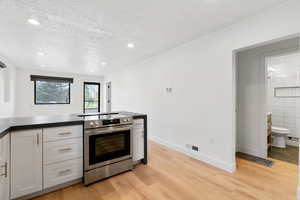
x,y
251,110
283,104
108,97
91,97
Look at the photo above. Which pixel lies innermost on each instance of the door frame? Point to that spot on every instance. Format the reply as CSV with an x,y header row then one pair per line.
x,y
234,84
99,94
108,96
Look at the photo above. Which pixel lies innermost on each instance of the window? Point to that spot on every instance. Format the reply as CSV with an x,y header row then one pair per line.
x,y
287,92
51,90
91,97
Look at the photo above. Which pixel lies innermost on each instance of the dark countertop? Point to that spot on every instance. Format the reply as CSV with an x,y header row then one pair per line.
x,y
21,123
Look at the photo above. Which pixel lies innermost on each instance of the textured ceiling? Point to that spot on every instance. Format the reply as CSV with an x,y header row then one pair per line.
x,y
77,35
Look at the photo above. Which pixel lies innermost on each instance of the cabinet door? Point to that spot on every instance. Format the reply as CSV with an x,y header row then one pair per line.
x,y
138,140
26,162
4,167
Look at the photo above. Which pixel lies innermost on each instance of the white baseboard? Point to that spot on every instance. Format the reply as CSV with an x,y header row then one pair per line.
x,y
251,152
229,167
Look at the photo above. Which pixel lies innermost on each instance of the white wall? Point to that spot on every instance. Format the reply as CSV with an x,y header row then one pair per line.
x,y
200,110
7,88
25,94
252,96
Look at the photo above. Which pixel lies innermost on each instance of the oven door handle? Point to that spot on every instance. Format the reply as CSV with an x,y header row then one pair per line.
x,y
107,130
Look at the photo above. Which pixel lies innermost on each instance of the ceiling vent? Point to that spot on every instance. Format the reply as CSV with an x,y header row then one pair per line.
x,y
2,65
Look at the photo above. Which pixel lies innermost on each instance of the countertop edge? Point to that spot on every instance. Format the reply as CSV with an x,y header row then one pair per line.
x,y
11,127
5,131
46,125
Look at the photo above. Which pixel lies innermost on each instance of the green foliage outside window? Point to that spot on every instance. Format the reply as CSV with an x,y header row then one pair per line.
x,y
91,98
48,92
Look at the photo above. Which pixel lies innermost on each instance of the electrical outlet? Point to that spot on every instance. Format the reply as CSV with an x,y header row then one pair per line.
x,y
169,90
195,148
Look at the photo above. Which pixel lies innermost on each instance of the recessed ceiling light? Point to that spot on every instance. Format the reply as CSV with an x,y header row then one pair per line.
x,y
103,63
130,45
40,53
33,22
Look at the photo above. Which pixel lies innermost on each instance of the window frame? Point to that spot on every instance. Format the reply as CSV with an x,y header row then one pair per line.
x,y
283,88
99,94
36,78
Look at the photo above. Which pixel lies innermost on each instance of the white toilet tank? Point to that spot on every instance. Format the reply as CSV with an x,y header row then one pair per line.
x,y
280,130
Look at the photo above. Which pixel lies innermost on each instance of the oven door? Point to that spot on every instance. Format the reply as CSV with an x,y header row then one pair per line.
x,y
108,145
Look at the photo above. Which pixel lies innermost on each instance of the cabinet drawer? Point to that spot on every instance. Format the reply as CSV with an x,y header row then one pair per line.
x,y
63,132
62,150
63,172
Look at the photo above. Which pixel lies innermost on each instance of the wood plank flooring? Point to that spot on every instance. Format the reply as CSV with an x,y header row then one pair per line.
x,y
173,176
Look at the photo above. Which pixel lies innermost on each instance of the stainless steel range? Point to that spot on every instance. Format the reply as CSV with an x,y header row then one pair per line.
x,y
107,146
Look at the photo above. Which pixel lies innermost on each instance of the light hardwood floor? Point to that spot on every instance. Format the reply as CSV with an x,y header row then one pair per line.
x,y
173,176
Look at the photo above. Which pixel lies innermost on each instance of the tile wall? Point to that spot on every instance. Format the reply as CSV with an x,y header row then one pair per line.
x,y
285,72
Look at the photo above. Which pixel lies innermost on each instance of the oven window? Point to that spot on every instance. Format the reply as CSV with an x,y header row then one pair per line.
x,y
106,147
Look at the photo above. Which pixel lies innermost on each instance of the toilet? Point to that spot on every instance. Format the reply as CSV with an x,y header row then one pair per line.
x,y
279,136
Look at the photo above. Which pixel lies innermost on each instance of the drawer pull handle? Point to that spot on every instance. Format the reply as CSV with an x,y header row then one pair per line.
x,y
65,149
5,170
61,173
38,139
65,133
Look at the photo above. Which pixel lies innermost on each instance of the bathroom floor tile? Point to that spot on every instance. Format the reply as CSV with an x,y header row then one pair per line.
x,y
289,154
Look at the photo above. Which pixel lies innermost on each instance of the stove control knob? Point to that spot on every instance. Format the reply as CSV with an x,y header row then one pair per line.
x,y
91,123
97,123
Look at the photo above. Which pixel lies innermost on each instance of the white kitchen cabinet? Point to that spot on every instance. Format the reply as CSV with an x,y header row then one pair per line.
x,y
62,155
26,162
138,139
62,150
62,132
4,167
62,172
